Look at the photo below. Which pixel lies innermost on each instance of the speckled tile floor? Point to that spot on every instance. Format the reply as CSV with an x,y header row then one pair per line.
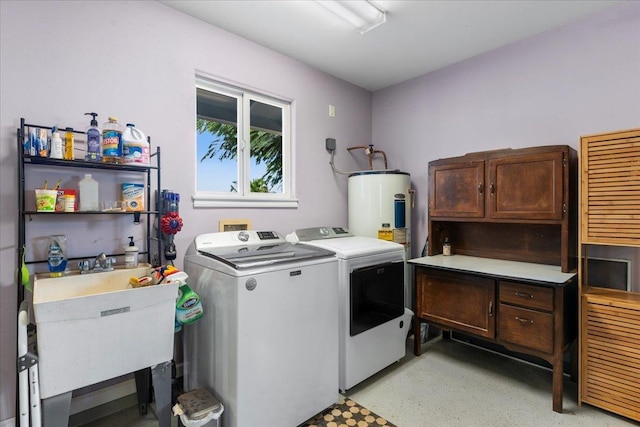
x,y
452,384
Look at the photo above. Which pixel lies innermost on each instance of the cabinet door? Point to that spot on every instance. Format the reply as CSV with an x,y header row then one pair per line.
x,y
610,197
610,352
461,302
526,187
456,190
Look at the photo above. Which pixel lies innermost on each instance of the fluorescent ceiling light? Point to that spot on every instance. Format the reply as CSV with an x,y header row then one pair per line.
x,y
360,13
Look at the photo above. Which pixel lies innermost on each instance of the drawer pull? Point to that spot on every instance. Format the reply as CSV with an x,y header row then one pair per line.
x,y
524,321
524,295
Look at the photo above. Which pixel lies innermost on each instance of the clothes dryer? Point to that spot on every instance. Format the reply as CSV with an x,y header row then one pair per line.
x,y
373,320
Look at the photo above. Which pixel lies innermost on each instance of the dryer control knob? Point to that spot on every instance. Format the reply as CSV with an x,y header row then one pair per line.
x,y
324,231
243,236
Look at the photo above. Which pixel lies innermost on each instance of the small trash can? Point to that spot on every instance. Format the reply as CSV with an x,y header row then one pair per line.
x,y
198,408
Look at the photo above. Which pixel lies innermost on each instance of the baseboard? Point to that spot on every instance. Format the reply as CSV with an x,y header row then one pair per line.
x,y
10,422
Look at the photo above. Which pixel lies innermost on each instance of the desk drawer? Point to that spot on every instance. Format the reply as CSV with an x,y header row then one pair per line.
x,y
527,328
536,297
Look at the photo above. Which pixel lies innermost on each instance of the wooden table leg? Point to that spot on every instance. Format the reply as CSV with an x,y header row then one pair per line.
x,y
558,385
558,350
417,349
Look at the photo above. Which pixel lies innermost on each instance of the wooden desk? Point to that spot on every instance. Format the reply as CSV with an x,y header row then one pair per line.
x,y
524,307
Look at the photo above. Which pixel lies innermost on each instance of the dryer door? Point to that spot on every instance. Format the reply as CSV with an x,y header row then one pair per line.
x,y
376,295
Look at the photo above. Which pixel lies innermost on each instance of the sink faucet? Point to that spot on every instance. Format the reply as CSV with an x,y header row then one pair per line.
x,y
102,263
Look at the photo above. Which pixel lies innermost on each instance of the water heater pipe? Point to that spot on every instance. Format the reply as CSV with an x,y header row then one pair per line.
x,y
370,152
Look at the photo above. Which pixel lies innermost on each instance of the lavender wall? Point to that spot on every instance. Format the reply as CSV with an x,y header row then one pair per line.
x,y
137,61
550,89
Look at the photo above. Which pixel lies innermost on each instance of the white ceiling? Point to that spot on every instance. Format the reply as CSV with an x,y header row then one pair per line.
x,y
419,36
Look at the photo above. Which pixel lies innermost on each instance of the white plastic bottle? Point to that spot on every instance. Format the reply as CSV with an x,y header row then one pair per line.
x,y
131,255
56,146
135,147
89,200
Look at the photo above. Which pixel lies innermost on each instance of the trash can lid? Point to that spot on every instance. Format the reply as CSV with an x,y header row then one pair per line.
x,y
198,403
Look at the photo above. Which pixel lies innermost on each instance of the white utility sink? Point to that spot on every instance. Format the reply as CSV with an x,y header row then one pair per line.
x,y
92,327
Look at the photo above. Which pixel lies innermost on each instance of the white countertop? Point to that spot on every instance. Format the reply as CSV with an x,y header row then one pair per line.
x,y
497,267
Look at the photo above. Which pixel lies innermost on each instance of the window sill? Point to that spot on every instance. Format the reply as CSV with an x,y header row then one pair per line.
x,y
244,202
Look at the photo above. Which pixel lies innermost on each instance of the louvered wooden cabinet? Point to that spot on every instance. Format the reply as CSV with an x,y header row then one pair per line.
x,y
609,319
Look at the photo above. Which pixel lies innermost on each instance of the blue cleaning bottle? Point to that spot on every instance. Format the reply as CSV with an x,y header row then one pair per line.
x,y
57,255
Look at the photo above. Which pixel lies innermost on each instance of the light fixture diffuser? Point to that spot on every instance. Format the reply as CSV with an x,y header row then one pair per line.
x,y
360,13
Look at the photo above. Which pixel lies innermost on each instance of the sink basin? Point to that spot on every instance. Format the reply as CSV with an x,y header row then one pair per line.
x,y
93,327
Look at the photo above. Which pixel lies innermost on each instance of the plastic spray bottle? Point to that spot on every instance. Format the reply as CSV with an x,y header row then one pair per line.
x,y
94,140
188,306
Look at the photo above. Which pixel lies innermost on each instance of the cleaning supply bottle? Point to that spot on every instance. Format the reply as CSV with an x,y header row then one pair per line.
x,y
57,255
112,141
94,140
135,147
57,151
68,144
131,255
188,306
88,194
446,247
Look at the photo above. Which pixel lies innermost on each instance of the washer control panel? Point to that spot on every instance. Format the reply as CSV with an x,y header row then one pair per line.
x,y
318,233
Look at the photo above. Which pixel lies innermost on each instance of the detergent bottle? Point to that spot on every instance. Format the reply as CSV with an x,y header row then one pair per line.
x,y
112,141
135,147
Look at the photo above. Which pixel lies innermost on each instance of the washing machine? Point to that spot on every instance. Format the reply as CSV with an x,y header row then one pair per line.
x,y
373,319
267,344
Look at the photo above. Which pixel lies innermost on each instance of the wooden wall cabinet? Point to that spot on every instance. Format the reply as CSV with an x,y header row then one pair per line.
x,y
609,319
528,194
532,316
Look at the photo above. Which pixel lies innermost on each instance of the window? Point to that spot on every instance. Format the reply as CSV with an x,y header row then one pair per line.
x,y
243,148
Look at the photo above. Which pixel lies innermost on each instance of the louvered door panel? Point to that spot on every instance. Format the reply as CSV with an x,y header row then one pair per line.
x,y
611,188
611,355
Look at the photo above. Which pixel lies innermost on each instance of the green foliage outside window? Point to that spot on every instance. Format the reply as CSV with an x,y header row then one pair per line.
x,y
265,147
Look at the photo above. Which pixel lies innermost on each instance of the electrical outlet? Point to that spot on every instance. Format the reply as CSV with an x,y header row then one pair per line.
x,y
330,144
332,110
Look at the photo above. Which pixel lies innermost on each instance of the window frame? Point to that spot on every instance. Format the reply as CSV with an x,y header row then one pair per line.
x,y
245,198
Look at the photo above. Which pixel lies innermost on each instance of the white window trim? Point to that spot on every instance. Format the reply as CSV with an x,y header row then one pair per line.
x,y
203,199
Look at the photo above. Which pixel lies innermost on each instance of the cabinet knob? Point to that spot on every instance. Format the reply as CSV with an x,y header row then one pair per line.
x,y
480,188
492,188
